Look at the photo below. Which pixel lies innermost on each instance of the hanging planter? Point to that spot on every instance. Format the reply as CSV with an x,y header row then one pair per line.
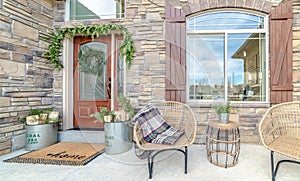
x,y
57,36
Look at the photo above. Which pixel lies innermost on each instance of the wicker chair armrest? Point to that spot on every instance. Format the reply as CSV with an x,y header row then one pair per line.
x,y
190,128
138,135
266,129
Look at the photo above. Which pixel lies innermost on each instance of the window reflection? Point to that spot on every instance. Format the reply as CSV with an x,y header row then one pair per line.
x,y
245,72
206,67
95,9
224,63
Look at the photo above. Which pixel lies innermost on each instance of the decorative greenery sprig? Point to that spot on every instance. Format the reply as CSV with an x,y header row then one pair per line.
x,y
126,105
57,36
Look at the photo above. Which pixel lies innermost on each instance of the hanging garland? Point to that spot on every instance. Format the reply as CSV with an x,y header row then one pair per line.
x,y
56,41
91,61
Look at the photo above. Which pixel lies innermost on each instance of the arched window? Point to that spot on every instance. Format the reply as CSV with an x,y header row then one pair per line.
x,y
226,55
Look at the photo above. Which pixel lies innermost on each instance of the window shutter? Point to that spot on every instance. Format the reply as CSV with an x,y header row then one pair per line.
x,y
175,55
281,53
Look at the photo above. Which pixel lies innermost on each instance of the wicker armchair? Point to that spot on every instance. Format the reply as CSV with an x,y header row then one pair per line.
x,y
279,131
178,115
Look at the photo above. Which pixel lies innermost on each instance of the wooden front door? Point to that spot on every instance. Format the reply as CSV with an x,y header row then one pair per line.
x,y
92,76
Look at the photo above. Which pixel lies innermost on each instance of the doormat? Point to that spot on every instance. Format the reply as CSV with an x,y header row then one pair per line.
x,y
63,153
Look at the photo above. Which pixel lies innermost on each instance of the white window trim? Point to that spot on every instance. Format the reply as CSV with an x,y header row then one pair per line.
x,y
68,79
112,64
226,32
67,10
225,64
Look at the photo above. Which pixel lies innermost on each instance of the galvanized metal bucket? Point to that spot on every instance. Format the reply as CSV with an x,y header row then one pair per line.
x,y
118,137
40,136
224,118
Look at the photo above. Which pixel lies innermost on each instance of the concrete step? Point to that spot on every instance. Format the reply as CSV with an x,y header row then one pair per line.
x,y
85,136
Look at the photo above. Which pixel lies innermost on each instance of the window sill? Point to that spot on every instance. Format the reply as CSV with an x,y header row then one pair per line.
x,y
233,104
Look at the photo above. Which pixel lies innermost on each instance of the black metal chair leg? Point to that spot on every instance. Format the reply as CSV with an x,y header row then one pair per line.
x,y
150,165
272,165
274,170
151,158
185,159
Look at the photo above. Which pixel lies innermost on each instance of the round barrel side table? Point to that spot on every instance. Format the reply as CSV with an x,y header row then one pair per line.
x,y
223,143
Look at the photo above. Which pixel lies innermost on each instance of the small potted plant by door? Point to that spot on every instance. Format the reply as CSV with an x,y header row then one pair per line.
x,y
111,130
104,115
41,128
223,111
118,132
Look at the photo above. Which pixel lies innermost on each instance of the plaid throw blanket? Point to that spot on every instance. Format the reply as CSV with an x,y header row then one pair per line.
x,y
154,128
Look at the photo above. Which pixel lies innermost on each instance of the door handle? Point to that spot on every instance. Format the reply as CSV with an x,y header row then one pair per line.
x,y
109,88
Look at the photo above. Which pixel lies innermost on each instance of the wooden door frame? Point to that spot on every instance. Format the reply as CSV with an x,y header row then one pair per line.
x,y
67,79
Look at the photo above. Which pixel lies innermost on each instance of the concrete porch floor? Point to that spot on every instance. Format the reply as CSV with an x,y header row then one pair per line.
x,y
254,164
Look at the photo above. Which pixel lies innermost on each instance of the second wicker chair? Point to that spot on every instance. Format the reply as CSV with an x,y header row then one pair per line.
x,y
279,131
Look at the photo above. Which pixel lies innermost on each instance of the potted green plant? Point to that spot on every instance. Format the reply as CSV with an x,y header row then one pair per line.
x,y
41,128
223,111
104,115
126,105
118,132
40,116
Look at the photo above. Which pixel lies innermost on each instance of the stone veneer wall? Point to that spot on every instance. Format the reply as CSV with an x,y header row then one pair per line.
x,y
26,81
296,50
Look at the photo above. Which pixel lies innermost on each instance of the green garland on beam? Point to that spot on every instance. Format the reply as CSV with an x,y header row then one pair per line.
x,y
57,36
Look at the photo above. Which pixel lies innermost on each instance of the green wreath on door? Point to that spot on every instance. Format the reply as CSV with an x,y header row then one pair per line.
x,y
91,61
